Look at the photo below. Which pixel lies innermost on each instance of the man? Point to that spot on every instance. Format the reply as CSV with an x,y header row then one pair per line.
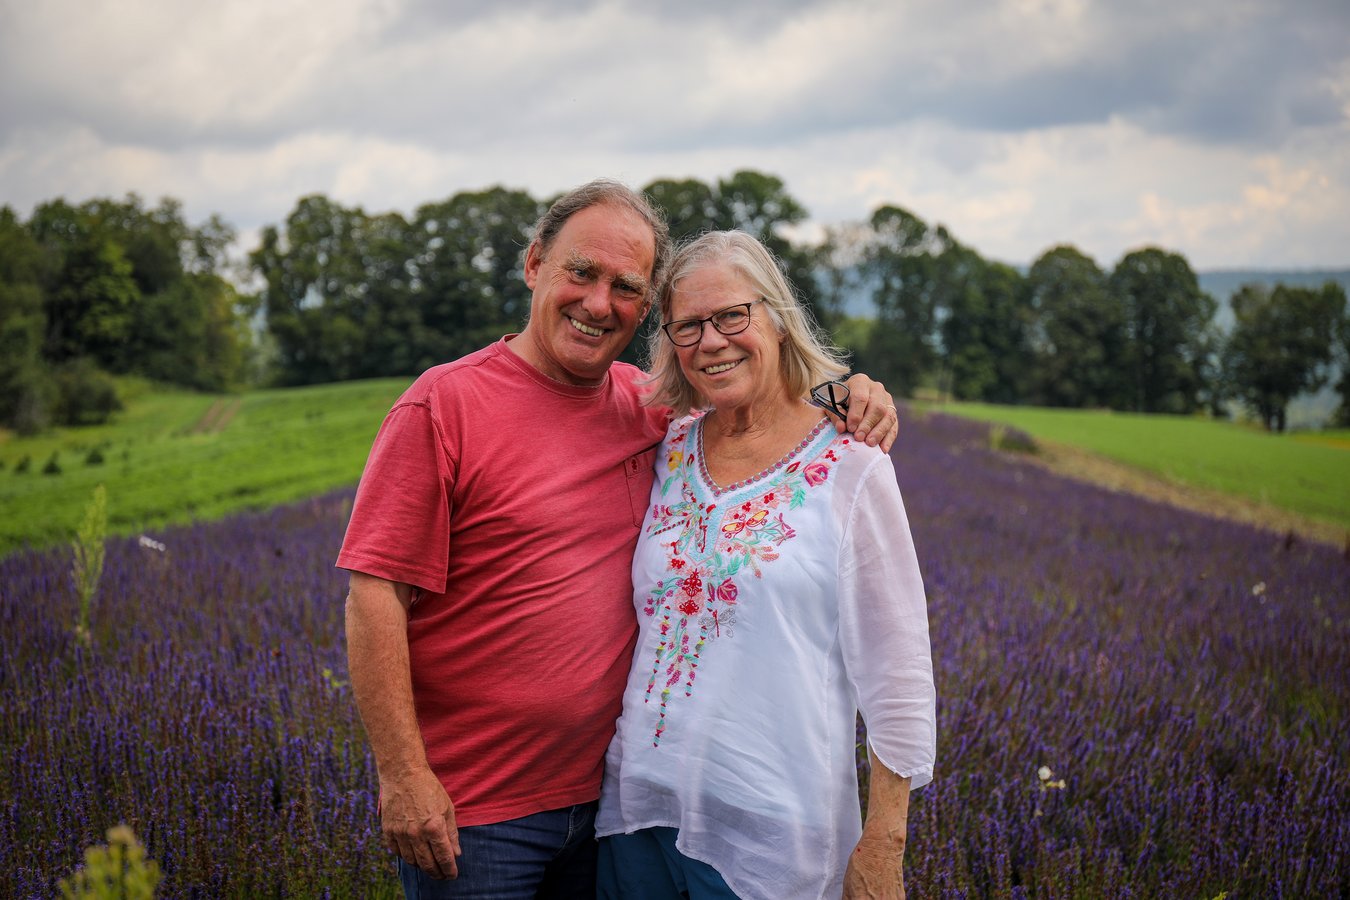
x,y
490,622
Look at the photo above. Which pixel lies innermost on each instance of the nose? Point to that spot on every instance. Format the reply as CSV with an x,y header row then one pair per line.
x,y
709,336
597,301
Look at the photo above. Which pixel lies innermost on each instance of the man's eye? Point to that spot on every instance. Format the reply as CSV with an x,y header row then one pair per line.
x,y
580,273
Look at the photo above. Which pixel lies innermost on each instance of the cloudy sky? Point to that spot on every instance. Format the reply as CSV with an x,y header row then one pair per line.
x,y
1216,128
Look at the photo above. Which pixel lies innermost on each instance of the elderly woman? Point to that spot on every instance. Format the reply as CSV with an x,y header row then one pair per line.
x,y
778,593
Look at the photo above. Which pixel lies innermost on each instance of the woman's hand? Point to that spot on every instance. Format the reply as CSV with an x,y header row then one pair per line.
x,y
875,871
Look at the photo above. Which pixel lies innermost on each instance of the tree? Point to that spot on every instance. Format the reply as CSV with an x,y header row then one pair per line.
x,y
1281,346
469,282
984,325
898,267
25,392
1341,347
91,293
1169,331
689,205
323,306
1078,333
137,290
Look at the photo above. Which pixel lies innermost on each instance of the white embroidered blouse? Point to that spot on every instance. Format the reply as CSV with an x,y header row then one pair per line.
x,y
769,612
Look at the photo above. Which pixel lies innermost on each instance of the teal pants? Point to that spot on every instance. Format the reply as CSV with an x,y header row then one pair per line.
x,y
646,864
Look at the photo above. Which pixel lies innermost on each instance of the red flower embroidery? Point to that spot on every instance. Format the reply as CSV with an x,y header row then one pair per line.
x,y
816,473
690,607
692,585
727,591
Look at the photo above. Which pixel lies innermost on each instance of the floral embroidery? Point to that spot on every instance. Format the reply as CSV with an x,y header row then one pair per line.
x,y
711,546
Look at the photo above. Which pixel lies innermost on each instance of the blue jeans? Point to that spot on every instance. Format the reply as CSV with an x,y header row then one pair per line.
x,y
546,855
646,865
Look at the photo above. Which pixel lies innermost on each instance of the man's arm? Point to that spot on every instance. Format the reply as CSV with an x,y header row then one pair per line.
x,y
416,814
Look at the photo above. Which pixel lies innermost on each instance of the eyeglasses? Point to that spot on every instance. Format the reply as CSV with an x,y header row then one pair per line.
x,y
688,332
831,396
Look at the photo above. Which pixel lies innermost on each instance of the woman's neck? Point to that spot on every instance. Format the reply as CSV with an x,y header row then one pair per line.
x,y
740,443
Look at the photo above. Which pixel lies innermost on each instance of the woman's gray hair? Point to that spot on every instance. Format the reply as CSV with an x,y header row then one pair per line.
x,y
605,191
807,357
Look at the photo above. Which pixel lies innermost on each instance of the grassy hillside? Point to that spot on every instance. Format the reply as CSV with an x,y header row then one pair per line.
x,y
175,457
1308,475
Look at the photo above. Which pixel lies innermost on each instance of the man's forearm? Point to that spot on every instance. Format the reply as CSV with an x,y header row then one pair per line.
x,y
377,655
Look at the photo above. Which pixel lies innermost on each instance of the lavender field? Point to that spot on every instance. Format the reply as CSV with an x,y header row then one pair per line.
x,y
1185,682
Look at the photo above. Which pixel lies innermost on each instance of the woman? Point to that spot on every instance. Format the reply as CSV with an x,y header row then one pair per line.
x,y
777,592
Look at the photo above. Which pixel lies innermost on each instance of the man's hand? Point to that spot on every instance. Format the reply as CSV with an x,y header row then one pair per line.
x,y
871,413
875,871
418,820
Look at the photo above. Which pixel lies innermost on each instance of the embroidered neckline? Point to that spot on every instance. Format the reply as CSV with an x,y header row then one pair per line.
x,y
718,491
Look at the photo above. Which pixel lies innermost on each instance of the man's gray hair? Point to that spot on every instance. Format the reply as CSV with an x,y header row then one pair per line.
x,y
605,191
807,357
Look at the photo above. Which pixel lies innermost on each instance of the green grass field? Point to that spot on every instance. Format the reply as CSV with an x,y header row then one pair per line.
x,y
1308,474
174,457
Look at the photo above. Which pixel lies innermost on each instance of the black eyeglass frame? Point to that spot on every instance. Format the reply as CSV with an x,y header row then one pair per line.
x,y
712,320
826,396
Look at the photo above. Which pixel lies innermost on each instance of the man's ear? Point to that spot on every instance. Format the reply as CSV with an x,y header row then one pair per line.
x,y
534,258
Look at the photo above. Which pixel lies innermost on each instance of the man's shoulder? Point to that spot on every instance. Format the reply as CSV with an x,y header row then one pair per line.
x,y
446,378
627,376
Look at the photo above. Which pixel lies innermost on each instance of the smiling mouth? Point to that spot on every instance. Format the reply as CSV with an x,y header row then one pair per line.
x,y
721,367
586,329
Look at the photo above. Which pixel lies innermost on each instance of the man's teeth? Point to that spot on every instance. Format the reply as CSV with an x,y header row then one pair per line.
x,y
721,367
586,329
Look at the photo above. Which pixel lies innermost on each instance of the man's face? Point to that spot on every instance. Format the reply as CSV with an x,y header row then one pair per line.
x,y
591,292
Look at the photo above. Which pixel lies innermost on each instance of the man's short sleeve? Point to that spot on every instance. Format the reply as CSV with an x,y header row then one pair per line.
x,y
400,524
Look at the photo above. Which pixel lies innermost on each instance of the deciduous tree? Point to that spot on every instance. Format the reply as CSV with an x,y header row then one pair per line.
x,y
1078,333
1281,346
1170,342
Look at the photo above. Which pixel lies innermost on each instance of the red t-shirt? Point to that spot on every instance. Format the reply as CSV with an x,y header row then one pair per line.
x,y
513,502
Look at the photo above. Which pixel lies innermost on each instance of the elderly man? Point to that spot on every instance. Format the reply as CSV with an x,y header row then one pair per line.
x,y
490,622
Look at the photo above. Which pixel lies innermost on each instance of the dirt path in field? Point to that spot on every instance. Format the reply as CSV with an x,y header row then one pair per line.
x,y
1073,462
217,416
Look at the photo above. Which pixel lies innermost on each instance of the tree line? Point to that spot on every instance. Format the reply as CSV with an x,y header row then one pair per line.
x,y
116,288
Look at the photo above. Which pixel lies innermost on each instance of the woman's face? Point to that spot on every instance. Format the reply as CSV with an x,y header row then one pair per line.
x,y
729,370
